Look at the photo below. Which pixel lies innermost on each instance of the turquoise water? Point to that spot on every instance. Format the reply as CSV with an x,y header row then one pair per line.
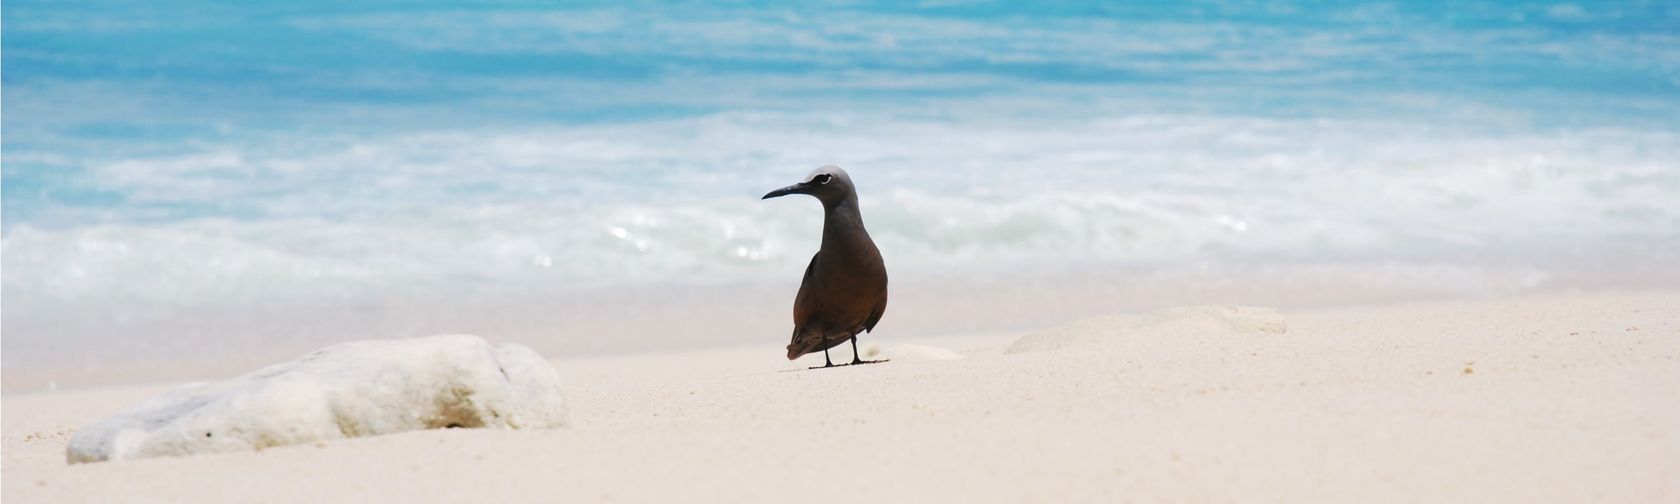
x,y
166,158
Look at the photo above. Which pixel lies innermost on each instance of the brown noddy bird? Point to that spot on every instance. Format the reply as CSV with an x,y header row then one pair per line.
x,y
845,288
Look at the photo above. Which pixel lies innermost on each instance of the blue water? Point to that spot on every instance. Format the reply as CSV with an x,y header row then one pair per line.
x,y
165,158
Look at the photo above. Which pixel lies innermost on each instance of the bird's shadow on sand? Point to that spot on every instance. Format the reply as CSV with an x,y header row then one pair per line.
x,y
849,364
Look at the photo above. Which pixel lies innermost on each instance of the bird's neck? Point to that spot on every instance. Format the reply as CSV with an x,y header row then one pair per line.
x,y
843,227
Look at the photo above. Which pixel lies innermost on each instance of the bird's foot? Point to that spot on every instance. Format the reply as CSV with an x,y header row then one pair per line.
x,y
854,362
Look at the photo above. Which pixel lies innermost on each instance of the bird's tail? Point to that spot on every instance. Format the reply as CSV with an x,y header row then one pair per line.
x,y
797,346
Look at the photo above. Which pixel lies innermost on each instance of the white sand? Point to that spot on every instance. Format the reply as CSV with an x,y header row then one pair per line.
x,y
1558,398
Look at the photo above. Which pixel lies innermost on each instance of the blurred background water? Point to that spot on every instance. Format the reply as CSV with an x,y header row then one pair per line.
x,y
202,178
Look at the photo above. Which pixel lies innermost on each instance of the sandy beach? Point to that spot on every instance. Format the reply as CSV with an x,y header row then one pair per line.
x,y
1556,398
1201,251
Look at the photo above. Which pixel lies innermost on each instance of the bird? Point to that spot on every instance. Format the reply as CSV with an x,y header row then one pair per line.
x,y
844,292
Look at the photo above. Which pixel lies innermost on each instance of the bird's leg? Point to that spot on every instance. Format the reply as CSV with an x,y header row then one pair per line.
x,y
827,363
857,358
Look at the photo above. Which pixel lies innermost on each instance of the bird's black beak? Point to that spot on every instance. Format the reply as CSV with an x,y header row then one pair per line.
x,y
799,188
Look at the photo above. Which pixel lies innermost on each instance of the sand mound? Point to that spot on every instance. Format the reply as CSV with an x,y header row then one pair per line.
x,y
1115,328
901,352
353,389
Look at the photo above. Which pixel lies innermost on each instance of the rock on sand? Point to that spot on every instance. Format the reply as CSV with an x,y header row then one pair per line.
x,y
353,389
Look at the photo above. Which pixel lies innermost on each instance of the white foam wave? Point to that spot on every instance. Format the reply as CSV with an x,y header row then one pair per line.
x,y
500,215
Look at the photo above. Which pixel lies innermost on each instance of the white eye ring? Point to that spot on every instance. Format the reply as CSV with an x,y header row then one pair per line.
x,y
824,178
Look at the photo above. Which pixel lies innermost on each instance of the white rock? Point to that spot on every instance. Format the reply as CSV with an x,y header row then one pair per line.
x,y
1113,328
362,388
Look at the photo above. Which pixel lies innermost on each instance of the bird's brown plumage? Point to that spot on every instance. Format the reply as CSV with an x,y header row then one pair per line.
x,y
844,291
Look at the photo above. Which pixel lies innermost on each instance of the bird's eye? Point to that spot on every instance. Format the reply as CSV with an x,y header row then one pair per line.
x,y
823,179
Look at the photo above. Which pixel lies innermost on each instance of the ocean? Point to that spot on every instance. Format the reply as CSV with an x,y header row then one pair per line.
x,y
188,180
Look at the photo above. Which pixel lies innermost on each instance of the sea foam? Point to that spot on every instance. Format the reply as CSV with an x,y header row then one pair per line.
x,y
493,217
